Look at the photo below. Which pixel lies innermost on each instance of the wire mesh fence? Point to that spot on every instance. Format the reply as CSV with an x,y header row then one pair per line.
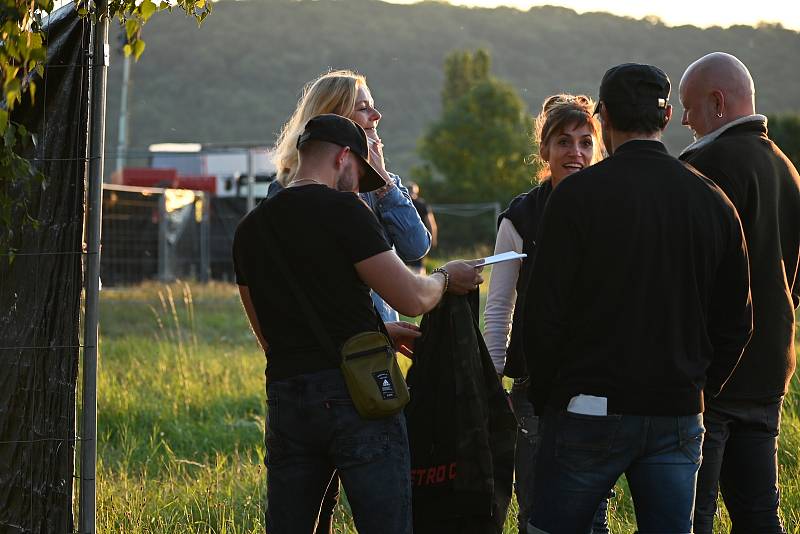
x,y
466,229
154,233
168,234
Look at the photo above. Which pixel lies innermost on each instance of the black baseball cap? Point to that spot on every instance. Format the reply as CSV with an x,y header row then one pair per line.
x,y
341,131
635,85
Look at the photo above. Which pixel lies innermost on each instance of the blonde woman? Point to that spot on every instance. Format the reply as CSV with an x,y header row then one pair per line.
x,y
569,139
346,93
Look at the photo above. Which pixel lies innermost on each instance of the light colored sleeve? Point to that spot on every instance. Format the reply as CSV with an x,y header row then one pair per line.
x,y
502,295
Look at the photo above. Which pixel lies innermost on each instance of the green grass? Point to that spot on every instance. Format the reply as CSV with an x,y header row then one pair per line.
x,y
181,419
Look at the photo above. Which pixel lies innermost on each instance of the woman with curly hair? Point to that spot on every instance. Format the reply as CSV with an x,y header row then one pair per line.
x,y
569,139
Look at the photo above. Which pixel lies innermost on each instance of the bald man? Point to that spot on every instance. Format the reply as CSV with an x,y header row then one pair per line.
x,y
732,148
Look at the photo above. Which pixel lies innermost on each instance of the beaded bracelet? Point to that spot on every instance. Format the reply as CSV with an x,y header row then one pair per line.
x,y
446,275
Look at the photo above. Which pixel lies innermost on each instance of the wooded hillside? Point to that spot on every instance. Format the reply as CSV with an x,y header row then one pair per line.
x,y
238,77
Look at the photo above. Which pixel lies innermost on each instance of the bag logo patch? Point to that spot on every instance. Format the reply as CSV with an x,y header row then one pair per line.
x,y
384,381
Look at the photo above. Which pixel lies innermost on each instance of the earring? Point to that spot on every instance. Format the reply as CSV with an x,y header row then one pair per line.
x,y
719,115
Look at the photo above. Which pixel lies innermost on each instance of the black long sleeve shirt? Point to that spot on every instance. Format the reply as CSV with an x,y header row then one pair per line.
x,y
640,287
765,188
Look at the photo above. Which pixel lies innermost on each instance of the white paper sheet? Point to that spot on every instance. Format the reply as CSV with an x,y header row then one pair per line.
x,y
497,258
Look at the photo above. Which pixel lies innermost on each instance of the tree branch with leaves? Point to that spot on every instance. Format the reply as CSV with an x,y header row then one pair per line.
x,y
23,52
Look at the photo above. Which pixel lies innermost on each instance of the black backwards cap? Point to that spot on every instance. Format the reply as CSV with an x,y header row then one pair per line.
x,y
331,128
635,85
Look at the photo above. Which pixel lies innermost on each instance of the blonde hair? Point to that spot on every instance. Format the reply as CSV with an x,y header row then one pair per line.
x,y
559,112
333,92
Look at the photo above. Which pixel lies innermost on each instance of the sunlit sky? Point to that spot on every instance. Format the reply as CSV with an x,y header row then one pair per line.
x,y
673,12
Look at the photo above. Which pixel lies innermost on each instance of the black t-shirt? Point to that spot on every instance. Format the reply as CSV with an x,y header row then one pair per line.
x,y
321,233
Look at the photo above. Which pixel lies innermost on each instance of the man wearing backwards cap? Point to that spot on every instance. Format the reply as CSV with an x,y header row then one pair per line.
x,y
335,249
639,301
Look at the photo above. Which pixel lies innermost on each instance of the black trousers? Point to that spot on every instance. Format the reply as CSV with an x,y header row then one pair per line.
x,y
740,457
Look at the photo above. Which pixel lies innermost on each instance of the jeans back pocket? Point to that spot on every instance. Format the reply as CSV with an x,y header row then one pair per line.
x,y
584,441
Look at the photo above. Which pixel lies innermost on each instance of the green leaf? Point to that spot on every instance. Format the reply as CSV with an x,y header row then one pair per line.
x,y
5,216
10,136
3,121
138,48
35,40
127,50
131,28
11,72
147,8
13,92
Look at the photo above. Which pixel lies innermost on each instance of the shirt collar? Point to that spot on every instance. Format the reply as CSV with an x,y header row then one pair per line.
x,y
711,136
638,144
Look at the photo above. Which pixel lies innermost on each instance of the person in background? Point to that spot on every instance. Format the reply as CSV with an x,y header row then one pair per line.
x,y
335,250
426,215
740,451
346,93
638,308
569,139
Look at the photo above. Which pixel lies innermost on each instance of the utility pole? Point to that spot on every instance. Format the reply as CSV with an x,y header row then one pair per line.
x,y
122,125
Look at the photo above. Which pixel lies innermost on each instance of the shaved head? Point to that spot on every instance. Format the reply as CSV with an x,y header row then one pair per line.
x,y
715,90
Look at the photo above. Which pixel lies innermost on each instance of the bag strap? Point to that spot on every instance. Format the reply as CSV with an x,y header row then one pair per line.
x,y
322,336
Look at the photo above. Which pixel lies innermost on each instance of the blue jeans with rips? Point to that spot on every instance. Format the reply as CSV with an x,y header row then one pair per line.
x,y
582,456
314,431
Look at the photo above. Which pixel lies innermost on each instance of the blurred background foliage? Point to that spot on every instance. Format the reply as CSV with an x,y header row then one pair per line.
x,y
238,78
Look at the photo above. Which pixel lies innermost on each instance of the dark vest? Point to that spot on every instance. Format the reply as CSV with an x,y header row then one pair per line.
x,y
525,212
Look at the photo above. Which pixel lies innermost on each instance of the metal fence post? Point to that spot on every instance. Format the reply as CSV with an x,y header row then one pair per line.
x,y
205,237
163,244
251,181
98,73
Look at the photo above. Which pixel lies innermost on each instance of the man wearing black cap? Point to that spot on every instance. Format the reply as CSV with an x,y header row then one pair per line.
x,y
639,302
333,251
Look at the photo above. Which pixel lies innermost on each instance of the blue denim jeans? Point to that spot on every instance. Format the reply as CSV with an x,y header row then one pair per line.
x,y
582,456
525,458
740,455
314,431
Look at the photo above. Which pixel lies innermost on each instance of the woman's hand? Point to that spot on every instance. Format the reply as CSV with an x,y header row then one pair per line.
x,y
464,276
403,335
376,156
